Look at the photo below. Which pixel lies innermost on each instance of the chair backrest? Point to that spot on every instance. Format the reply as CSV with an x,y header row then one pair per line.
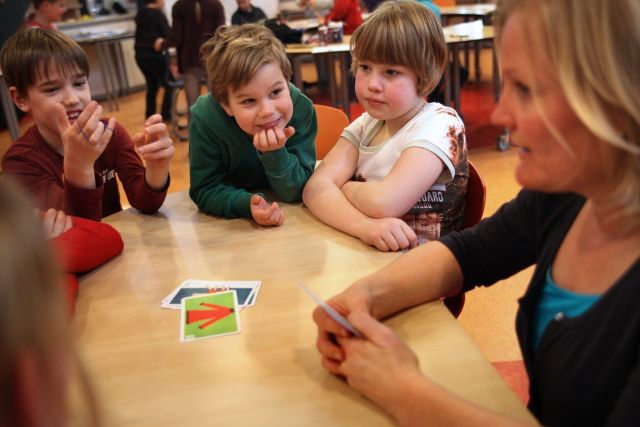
x,y
331,122
474,201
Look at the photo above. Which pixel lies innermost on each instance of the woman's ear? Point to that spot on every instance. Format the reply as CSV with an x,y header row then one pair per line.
x,y
20,101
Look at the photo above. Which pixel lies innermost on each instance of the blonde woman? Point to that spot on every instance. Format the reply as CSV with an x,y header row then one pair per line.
x,y
571,100
37,360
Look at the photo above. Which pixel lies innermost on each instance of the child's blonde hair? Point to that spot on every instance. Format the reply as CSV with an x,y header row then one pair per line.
x,y
33,316
403,33
29,56
235,53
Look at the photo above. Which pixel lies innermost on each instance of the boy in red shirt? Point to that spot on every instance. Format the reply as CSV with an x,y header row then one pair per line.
x,y
70,158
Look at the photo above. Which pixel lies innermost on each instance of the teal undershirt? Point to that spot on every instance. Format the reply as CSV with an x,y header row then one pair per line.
x,y
556,301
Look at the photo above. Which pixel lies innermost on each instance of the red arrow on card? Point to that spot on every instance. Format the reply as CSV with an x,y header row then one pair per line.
x,y
216,313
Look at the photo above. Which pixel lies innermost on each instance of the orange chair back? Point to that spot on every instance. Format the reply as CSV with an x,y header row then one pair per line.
x,y
331,122
474,202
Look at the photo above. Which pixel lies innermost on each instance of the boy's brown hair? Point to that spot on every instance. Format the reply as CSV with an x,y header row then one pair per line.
x,y
29,55
403,33
234,55
38,3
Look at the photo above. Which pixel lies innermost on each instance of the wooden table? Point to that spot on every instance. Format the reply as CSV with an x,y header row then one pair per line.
x,y
270,374
483,11
337,53
459,35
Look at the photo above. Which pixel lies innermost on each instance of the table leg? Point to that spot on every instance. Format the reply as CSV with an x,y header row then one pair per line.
x,y
333,90
447,82
456,79
496,72
297,71
107,78
344,76
123,79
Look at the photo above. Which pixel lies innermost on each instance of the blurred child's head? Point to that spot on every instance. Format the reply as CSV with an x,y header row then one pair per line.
x,y
50,10
42,68
37,355
249,74
406,33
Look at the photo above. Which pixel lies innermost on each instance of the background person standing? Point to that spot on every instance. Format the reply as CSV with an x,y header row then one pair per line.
x,y
194,22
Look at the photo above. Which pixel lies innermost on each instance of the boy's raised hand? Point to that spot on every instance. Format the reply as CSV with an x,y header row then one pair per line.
x,y
83,142
264,213
272,139
155,146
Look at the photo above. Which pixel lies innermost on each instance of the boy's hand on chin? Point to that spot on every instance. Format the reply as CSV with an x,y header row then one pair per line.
x,y
264,213
272,139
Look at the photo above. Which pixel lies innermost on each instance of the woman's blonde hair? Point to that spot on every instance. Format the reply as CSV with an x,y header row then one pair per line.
x,y
403,33
235,53
33,315
593,48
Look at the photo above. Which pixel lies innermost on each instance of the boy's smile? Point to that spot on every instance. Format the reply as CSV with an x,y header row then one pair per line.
x,y
264,103
71,91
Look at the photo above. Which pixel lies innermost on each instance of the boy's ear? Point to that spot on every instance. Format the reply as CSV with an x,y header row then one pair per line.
x,y
227,109
19,100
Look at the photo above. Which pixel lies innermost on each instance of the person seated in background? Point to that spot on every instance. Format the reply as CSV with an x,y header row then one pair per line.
x,y
571,101
70,157
153,35
38,359
398,174
282,31
254,131
247,14
346,11
46,13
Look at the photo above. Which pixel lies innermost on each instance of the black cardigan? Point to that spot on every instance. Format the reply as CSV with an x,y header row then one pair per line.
x,y
586,370
151,24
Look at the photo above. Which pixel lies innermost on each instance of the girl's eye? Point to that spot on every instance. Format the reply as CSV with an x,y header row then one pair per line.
x,y
80,84
391,72
276,92
363,67
247,101
50,89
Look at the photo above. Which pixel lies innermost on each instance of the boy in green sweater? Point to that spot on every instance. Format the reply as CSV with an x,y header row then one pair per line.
x,y
253,131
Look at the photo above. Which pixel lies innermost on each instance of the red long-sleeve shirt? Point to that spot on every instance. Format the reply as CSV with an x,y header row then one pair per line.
x,y
39,169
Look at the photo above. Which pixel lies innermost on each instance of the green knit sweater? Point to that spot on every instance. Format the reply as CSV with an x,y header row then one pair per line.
x,y
226,169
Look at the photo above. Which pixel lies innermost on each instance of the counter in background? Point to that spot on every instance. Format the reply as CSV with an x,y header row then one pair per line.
x,y
113,69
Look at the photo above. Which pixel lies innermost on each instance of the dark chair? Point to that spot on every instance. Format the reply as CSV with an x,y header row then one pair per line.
x,y
474,201
179,121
